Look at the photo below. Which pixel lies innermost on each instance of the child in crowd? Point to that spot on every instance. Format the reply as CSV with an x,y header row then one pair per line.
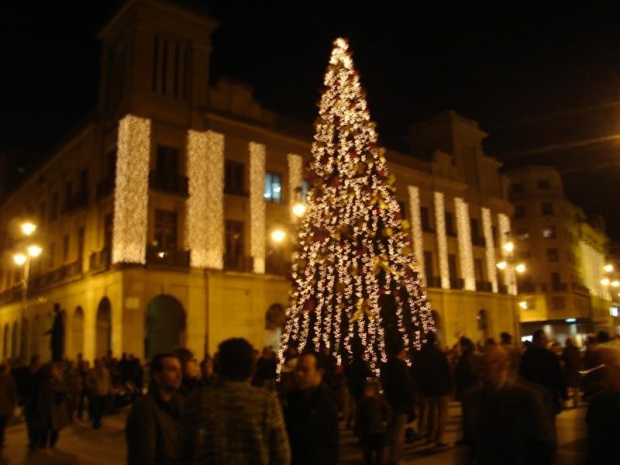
x,y
374,414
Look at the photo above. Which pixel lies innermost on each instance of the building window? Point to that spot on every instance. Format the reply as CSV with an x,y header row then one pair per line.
x,y
80,250
234,245
543,184
553,255
108,226
234,177
452,269
478,269
42,212
65,248
403,210
518,188
450,230
167,162
54,207
549,232
68,193
520,211
304,190
426,219
273,187
428,269
165,230
476,238
523,234
546,208
50,256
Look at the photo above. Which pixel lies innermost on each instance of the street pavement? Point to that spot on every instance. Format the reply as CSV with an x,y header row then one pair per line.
x,y
80,444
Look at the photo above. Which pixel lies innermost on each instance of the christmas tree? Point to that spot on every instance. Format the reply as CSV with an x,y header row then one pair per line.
x,y
355,285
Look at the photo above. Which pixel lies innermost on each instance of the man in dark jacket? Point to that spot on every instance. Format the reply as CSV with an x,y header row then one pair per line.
x,y
154,423
434,380
505,421
398,388
311,415
540,365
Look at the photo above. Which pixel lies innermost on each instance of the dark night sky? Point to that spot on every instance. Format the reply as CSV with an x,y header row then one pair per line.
x,y
540,79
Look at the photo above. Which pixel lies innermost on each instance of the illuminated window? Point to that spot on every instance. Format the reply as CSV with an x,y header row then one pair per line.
x,y
304,190
548,232
273,187
523,234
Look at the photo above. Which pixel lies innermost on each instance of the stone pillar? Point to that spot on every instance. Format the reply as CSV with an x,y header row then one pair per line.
x,y
463,228
442,241
487,228
257,206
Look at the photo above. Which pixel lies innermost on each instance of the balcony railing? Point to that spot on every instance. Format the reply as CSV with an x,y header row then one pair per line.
x,y
502,289
105,187
171,183
277,266
479,241
526,288
433,281
12,294
457,283
484,286
100,261
580,288
559,286
238,263
168,257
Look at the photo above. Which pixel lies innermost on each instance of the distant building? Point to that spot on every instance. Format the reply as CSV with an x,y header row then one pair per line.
x,y
564,290
156,219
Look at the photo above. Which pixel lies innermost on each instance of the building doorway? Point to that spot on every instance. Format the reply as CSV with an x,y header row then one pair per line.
x,y
164,325
103,341
77,332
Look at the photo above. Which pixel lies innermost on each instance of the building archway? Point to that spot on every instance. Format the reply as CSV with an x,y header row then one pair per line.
x,y
483,326
275,317
164,325
77,331
15,340
103,341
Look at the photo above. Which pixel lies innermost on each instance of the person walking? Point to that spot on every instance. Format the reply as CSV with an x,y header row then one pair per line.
x,y
374,415
311,415
52,412
8,401
231,422
99,387
571,358
398,388
505,421
434,380
154,422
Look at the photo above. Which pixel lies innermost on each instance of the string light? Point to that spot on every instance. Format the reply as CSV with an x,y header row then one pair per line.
x,y
487,228
295,180
257,206
593,262
131,191
205,205
442,240
416,229
465,247
504,234
353,249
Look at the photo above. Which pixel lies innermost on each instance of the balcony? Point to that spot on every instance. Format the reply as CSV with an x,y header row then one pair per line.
x,y
478,241
526,288
169,258
100,261
73,268
277,266
169,183
457,283
502,289
105,187
484,286
576,287
559,286
12,294
77,202
238,263
434,281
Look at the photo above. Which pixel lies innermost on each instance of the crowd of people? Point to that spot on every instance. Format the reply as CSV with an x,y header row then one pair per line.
x,y
233,408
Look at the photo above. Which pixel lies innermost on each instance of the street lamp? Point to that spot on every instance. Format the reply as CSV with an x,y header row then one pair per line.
x,y
278,236
299,207
28,228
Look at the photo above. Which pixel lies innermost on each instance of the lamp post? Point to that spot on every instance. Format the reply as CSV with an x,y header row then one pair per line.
x,y
512,268
23,259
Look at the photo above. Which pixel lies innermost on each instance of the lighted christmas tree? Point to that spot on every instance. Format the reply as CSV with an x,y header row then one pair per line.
x,y
355,282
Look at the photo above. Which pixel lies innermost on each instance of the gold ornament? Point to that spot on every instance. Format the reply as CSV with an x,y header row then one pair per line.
x,y
362,307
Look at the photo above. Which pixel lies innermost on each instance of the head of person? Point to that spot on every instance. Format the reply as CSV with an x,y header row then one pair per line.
x,y
506,338
309,371
540,339
466,345
431,339
371,388
268,352
206,367
236,360
496,365
165,372
570,342
602,337
35,363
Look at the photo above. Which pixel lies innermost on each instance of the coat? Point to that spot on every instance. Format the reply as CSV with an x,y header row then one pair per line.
x,y
542,366
51,408
373,415
507,426
572,364
398,386
98,382
8,395
432,372
312,425
153,429
603,427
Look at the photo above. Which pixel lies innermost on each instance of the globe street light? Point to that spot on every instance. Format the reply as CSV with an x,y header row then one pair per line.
x,y
278,236
28,228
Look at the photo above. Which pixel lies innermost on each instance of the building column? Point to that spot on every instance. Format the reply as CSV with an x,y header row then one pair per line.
x,y
416,232
257,206
442,241
466,254
205,205
295,179
131,191
487,227
504,235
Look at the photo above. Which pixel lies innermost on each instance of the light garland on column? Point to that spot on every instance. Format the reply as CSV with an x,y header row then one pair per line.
x,y
487,227
295,179
442,240
504,233
416,225
131,192
465,246
205,205
257,206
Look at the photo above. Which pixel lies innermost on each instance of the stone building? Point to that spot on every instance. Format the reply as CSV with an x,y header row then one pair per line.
x,y
155,220
564,291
